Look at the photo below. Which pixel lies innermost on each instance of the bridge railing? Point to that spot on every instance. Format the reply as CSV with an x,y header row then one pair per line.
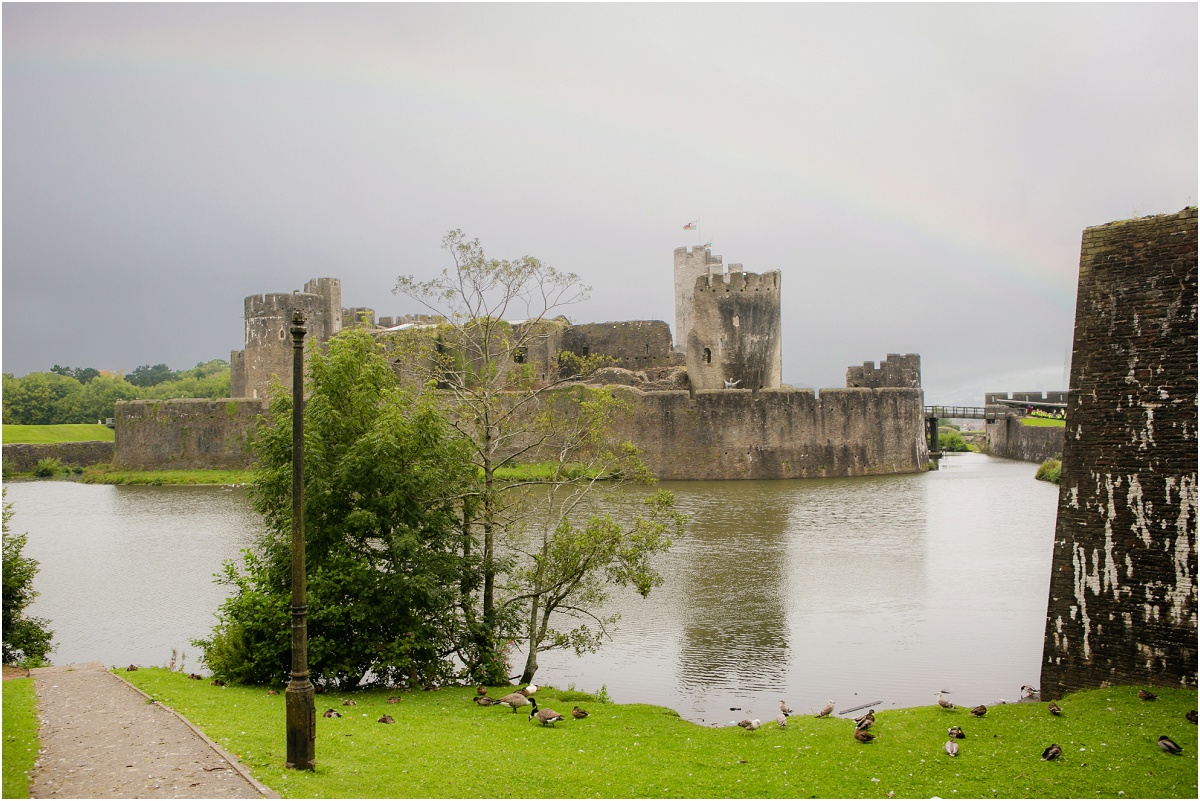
x,y
967,412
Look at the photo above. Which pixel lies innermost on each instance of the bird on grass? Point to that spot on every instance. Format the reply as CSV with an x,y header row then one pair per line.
x,y
579,714
217,683
272,692
866,721
781,719
979,711
1028,692
195,677
957,733
349,702
942,702
332,713
395,699
513,700
1191,716
1052,752
785,709
1054,708
530,690
386,719
1169,745
131,668
863,736
826,710
1146,695
750,725
951,748
546,717
483,700
481,690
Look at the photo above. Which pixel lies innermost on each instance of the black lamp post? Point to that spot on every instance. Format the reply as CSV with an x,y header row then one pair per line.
x,y
300,697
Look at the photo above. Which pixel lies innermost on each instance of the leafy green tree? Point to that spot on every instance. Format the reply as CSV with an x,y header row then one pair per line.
x,y
37,398
382,492
149,376
27,640
94,400
505,414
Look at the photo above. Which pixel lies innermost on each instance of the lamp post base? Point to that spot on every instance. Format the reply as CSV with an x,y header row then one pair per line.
x,y
301,724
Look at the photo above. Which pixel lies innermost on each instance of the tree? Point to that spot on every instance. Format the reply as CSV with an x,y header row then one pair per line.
x,y
383,478
37,398
27,640
147,376
507,413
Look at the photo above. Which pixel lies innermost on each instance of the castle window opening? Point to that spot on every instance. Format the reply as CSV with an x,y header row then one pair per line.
x,y
707,356
281,333
519,355
585,351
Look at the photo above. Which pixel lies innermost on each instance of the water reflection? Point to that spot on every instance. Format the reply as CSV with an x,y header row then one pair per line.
x,y
856,590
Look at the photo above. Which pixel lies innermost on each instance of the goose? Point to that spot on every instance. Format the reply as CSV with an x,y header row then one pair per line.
x,y
781,719
513,700
957,733
942,702
951,748
979,711
1052,752
386,719
863,736
1169,745
1146,695
1054,708
825,712
528,691
332,713
546,717
579,714
785,709
750,725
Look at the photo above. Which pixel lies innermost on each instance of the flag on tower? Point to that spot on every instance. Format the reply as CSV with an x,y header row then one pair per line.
x,y
690,226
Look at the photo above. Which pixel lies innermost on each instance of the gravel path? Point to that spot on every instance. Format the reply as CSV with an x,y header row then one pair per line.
x,y
102,738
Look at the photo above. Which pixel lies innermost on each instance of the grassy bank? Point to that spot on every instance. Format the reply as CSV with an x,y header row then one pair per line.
x,y
105,474
442,745
1050,470
20,736
1043,421
40,435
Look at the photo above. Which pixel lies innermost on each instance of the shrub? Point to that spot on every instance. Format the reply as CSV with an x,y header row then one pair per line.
x,y
1050,470
48,467
949,440
27,640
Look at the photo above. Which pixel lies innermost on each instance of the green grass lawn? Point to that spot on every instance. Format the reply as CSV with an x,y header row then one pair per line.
x,y
442,745
20,736
1043,421
37,435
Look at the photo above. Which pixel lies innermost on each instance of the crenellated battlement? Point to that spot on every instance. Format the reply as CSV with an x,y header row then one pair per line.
x,y
894,371
738,281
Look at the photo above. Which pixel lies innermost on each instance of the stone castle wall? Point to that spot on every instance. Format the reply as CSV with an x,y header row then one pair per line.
x,y
24,457
1122,601
735,336
185,434
1009,439
692,264
776,433
894,371
632,344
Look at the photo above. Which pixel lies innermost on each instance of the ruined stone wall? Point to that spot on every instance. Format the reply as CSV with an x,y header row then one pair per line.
x,y
358,315
1010,439
776,433
735,334
894,371
633,344
24,457
185,434
690,265
1122,601
237,374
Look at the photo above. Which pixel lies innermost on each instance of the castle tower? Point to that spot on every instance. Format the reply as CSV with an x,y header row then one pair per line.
x,y
690,264
735,331
268,348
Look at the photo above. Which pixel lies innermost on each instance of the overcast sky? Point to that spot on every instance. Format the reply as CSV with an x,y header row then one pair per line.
x,y
920,175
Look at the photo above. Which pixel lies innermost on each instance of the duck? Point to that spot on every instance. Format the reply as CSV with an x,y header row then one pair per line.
x,y
483,700
1146,695
272,691
1051,752
1191,716
979,711
826,710
217,683
386,719
1028,691
195,677
546,717
579,714
131,668
481,690
513,700
1054,708
942,702
781,719
951,748
866,721
332,713
785,709
957,733
430,688
863,736
395,699
1169,745
750,725
349,702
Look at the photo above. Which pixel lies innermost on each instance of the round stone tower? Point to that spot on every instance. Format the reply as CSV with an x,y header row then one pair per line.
x,y
690,264
734,340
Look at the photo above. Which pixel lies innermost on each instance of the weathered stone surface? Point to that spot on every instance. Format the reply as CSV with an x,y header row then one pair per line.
x,y
735,337
185,434
894,371
1122,601
1010,439
74,454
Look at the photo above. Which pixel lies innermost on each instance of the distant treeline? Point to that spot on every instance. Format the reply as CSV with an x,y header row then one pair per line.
x,y
85,394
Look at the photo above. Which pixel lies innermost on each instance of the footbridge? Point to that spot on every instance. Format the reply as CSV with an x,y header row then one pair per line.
x,y
935,413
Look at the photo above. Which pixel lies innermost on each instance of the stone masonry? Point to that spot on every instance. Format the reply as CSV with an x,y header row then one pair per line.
x,y
1122,601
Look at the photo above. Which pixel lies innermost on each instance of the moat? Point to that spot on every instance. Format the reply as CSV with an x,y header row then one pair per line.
x,y
857,590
